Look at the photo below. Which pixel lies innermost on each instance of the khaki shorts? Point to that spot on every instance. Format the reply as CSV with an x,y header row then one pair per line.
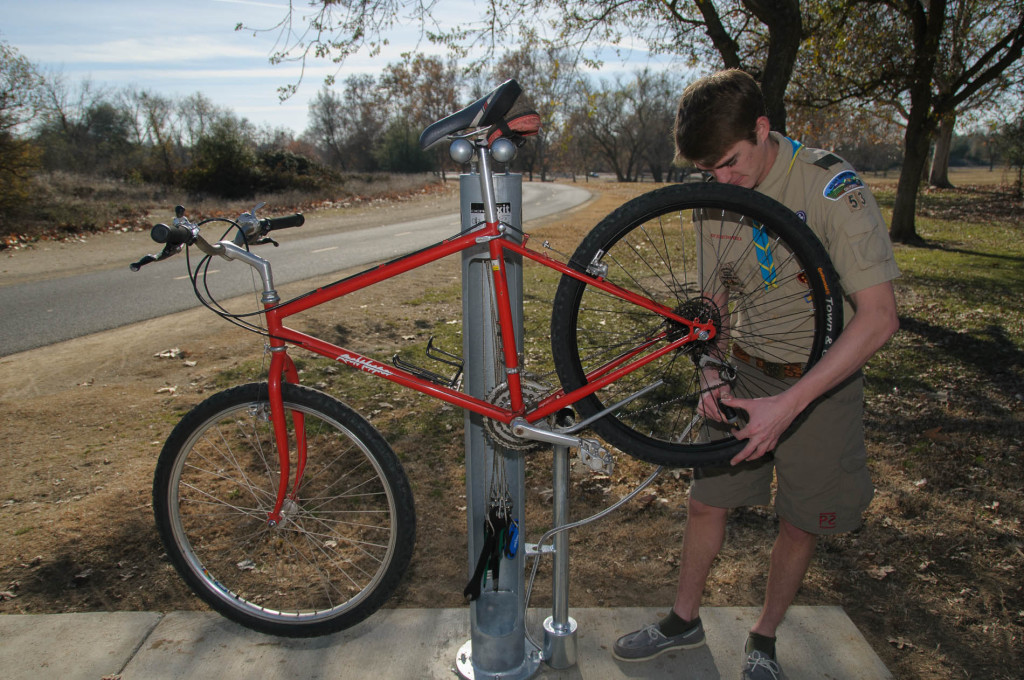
x,y
823,484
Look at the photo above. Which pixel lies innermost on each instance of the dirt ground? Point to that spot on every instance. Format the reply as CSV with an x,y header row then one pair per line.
x,y
83,422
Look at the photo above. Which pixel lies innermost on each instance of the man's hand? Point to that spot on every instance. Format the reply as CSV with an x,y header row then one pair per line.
x,y
873,323
767,419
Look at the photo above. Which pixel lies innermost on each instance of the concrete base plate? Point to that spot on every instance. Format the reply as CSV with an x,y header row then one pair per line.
x,y
814,642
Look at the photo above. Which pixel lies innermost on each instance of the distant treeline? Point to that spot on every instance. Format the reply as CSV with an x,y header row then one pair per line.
x,y
620,126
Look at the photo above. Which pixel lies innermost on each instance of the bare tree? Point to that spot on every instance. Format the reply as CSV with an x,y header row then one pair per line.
x,y
760,36
19,83
326,128
1011,135
893,52
419,90
196,115
629,124
965,38
345,125
547,76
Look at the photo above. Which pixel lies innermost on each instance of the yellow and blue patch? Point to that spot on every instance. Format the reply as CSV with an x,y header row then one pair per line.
x,y
845,181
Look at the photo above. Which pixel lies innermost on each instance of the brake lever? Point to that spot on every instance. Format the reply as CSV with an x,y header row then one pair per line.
x,y
163,255
136,266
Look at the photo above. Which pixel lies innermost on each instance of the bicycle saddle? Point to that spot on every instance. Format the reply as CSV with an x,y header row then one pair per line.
x,y
489,110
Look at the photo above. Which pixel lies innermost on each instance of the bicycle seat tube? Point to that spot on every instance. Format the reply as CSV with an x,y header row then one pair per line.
x,y
487,186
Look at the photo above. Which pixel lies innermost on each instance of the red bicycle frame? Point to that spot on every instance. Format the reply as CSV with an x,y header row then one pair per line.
x,y
491,233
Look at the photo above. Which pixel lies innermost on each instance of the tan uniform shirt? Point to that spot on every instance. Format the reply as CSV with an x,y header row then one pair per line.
x,y
828,195
825,193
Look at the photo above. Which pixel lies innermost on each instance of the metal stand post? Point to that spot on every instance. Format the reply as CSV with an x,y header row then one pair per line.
x,y
560,628
498,647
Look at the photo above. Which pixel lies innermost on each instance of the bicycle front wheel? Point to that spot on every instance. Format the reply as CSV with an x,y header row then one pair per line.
x,y
711,253
346,535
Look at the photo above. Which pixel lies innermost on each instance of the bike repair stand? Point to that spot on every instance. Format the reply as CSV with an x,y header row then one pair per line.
x,y
498,647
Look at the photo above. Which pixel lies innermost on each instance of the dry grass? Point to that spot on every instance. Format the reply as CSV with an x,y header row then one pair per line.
x,y
66,205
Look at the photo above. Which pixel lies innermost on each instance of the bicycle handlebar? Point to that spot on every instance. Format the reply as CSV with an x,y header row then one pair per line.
x,y
251,230
179,233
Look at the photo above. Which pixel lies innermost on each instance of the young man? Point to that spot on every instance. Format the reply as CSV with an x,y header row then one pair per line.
x,y
823,486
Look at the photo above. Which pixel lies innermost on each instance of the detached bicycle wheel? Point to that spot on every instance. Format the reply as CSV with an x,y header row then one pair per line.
x,y
343,543
709,252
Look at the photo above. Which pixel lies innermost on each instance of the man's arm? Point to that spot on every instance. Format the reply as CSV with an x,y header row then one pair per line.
x,y
874,322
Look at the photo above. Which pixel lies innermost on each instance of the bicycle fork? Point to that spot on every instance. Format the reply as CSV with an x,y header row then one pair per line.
x,y
282,369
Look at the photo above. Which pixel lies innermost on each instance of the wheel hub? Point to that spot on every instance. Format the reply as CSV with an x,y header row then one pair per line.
x,y
701,310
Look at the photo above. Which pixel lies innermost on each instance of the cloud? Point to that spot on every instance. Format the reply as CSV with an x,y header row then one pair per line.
x,y
186,49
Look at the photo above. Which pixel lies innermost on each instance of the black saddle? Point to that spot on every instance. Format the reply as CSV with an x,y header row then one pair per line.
x,y
488,111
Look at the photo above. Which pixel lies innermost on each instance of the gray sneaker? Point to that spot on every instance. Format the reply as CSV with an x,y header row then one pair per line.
x,y
760,666
649,642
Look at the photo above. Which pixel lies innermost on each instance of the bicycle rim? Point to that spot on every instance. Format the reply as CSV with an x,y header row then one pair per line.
x,y
692,248
344,539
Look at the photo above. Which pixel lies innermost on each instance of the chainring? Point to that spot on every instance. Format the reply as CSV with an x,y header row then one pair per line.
x,y
499,433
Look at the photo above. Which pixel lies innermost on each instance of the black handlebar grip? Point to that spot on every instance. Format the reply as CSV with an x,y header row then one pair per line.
x,y
173,235
272,223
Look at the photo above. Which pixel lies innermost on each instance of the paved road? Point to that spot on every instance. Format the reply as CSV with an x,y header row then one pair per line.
x,y
45,312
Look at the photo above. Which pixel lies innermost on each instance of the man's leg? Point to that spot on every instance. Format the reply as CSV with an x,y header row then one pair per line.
x,y
705,532
681,629
791,556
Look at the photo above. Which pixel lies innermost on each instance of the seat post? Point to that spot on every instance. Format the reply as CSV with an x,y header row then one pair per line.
x,y
487,191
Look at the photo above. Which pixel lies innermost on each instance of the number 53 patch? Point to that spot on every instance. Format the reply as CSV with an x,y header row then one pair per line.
x,y
856,199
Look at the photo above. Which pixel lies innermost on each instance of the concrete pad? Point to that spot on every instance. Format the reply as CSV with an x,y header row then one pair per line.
x,y
814,642
71,646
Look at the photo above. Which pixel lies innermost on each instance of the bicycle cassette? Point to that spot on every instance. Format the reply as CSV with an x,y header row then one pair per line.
x,y
499,433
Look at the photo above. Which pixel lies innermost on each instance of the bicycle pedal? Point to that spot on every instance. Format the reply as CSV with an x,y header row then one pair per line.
x,y
596,457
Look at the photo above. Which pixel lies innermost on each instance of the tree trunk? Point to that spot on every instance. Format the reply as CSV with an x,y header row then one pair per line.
x,y
921,123
785,30
916,143
939,176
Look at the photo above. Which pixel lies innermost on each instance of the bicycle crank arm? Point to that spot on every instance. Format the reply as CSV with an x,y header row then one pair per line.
x,y
592,453
521,428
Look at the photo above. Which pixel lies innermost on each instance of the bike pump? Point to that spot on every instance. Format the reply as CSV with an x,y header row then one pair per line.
x,y
498,646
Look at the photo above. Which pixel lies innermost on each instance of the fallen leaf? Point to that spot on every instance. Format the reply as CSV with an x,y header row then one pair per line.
x,y
936,435
644,501
901,642
878,573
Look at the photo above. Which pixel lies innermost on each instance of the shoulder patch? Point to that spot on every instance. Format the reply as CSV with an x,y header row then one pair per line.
x,y
845,181
828,160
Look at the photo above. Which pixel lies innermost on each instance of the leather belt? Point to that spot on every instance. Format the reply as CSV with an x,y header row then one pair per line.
x,y
769,368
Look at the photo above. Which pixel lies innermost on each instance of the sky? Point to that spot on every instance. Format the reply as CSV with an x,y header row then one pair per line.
x,y
176,48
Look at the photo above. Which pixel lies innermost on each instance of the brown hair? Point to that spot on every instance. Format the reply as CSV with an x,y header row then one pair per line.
x,y
716,112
